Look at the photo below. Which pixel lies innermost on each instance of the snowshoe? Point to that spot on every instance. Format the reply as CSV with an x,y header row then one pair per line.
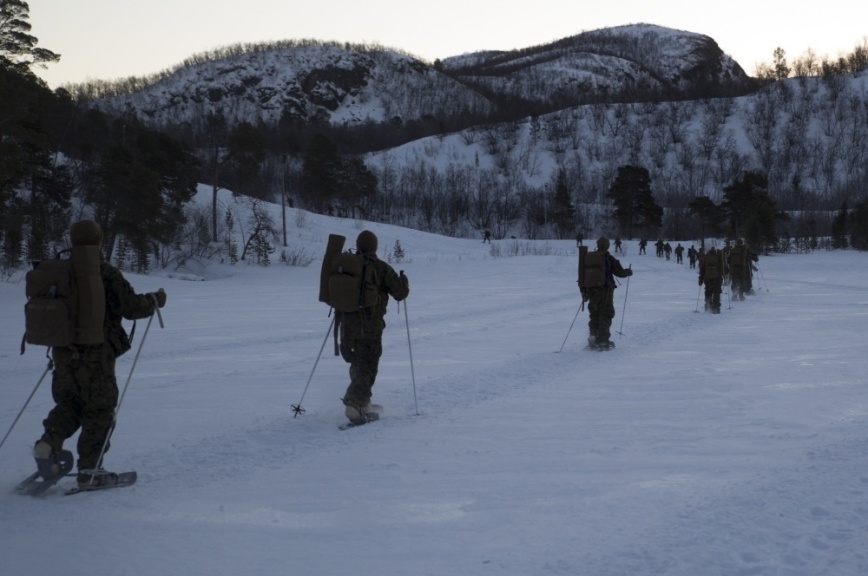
x,y
50,468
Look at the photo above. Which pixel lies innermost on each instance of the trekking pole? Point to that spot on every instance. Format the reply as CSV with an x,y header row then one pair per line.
x,y
624,309
581,307
758,269
29,398
296,408
127,383
698,294
410,348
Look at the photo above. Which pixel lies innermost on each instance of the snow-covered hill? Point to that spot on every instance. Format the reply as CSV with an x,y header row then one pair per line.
x,y
346,84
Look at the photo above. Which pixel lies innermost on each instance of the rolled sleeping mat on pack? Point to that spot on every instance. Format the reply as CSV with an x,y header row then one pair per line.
x,y
91,295
333,249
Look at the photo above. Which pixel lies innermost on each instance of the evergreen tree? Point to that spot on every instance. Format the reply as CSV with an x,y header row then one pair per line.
x,y
562,214
751,211
711,216
858,221
18,50
243,163
839,228
320,173
360,185
636,210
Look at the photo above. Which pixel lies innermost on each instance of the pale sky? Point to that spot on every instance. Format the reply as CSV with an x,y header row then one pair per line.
x,y
111,39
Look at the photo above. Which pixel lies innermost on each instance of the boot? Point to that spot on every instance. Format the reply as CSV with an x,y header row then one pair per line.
x,y
46,460
357,414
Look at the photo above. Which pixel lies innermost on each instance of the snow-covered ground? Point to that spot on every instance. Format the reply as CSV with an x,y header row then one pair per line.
x,y
701,446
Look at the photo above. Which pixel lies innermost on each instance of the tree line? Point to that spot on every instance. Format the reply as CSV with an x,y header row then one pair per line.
x,y
59,160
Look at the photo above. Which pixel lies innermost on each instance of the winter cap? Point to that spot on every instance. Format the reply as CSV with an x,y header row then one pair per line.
x,y
367,242
85,233
602,243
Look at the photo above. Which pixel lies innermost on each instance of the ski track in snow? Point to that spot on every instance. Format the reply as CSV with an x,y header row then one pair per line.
x,y
653,458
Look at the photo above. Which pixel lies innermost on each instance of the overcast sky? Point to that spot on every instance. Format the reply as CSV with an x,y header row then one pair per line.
x,y
111,39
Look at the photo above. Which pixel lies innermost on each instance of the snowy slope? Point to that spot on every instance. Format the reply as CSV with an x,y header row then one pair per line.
x,y
702,445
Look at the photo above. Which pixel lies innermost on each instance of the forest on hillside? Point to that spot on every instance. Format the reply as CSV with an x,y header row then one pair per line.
x,y
785,164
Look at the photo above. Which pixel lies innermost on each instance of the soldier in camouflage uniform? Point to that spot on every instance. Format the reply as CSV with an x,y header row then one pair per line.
x,y
362,332
711,271
601,300
84,386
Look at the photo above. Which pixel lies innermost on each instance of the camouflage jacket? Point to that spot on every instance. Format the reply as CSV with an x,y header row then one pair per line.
x,y
121,301
370,323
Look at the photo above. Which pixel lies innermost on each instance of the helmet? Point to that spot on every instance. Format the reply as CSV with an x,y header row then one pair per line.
x,y
85,233
367,242
602,243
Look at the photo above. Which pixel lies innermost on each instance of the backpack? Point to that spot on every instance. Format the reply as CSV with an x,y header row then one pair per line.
x,y
713,266
353,284
592,268
65,301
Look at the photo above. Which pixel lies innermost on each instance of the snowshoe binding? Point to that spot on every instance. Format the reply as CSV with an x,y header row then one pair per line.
x,y
50,468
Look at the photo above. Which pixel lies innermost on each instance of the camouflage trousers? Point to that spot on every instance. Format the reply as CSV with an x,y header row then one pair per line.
x,y
713,289
364,357
601,310
85,392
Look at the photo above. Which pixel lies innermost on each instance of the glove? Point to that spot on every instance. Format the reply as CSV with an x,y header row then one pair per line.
x,y
629,271
404,280
584,295
160,297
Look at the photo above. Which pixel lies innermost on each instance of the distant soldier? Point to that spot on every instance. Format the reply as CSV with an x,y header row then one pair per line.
x,y
486,236
618,245
642,245
579,238
667,249
679,254
692,255
659,246
711,274
741,260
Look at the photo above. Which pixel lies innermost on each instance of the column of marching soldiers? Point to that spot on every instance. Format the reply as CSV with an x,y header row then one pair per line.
x,y
731,266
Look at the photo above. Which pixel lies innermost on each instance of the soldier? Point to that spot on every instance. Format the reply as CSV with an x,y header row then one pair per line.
x,y
84,386
486,236
642,245
679,254
618,245
601,305
692,255
738,270
711,274
579,239
362,332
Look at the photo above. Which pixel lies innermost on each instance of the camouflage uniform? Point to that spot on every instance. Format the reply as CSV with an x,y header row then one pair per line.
x,y
84,386
738,270
601,300
711,270
362,332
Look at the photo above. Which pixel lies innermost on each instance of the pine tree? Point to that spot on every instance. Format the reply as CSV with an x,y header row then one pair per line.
x,y
18,49
839,228
562,215
636,210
